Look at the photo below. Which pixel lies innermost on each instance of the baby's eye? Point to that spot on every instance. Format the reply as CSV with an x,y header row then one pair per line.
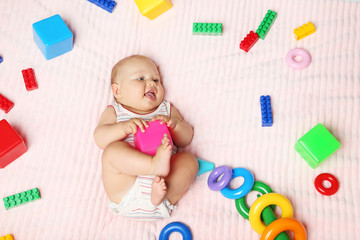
x,y
156,80
141,78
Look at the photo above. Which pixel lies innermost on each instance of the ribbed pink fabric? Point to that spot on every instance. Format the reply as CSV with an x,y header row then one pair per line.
x,y
215,85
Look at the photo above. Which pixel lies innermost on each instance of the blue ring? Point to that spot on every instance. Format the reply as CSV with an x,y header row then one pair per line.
x,y
175,227
244,189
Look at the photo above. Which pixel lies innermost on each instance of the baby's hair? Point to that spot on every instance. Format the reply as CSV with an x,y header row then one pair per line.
x,y
118,65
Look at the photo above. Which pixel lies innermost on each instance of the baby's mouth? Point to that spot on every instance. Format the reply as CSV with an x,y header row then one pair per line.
x,y
150,94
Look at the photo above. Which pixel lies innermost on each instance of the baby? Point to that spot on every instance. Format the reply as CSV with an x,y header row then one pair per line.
x,y
138,185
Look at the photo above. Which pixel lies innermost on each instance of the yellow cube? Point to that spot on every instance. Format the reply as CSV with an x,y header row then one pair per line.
x,y
153,8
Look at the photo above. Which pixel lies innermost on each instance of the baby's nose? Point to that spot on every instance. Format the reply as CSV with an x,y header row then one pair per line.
x,y
151,83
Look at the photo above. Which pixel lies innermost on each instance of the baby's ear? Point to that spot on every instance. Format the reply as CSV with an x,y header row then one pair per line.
x,y
115,88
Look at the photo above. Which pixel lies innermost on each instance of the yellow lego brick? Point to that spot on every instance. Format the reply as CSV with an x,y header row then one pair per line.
x,y
304,31
153,8
7,237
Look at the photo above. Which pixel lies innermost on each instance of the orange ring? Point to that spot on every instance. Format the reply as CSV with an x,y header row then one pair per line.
x,y
284,224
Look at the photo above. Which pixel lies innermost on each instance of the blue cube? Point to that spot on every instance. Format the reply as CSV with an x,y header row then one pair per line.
x,y
53,36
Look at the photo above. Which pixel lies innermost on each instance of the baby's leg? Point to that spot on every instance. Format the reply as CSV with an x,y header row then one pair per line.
x,y
127,160
183,170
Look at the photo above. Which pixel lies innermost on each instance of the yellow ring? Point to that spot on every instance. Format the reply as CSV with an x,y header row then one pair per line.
x,y
266,200
284,224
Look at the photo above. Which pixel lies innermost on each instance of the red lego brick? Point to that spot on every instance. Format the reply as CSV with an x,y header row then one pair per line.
x,y
5,104
249,41
12,145
29,79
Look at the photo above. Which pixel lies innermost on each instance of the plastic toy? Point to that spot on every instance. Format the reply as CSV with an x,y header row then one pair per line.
x,y
210,29
244,188
266,24
153,8
240,203
268,217
5,104
301,64
323,190
266,113
316,145
284,224
304,31
249,41
175,227
204,166
7,237
1,59
107,5
52,36
226,174
12,145
29,79
149,141
264,201
21,198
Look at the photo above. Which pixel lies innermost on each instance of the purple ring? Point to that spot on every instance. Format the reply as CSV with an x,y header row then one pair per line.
x,y
213,182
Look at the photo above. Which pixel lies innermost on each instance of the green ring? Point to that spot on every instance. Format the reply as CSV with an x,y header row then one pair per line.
x,y
240,203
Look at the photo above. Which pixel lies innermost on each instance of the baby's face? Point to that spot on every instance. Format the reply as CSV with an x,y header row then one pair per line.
x,y
141,90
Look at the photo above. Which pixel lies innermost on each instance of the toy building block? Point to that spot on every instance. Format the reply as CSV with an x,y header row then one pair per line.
x,y
52,36
149,141
249,41
210,29
204,166
5,104
1,59
266,113
316,145
7,237
266,24
29,79
153,8
12,145
21,198
304,31
107,5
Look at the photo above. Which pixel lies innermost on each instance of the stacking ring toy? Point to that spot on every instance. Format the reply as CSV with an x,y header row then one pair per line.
x,y
298,65
323,190
223,182
284,224
240,203
175,227
244,188
264,201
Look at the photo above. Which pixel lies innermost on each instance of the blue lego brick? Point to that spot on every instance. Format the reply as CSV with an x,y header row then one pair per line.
x,y
266,113
52,36
107,5
1,59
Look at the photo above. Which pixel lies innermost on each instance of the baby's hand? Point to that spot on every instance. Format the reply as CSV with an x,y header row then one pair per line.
x,y
170,122
130,126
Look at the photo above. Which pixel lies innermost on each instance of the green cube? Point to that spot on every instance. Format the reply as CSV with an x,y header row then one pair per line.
x,y
316,145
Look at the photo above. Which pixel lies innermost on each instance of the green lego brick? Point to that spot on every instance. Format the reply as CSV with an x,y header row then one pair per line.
x,y
21,198
316,145
210,29
266,24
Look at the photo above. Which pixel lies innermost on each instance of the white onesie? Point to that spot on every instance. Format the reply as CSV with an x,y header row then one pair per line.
x,y
137,202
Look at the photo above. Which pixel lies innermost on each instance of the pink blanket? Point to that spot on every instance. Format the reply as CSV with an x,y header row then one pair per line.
x,y
215,85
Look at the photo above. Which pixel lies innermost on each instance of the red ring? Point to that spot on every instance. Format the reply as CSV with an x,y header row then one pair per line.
x,y
323,190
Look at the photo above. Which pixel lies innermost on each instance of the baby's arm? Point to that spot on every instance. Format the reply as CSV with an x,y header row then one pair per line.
x,y
183,132
108,130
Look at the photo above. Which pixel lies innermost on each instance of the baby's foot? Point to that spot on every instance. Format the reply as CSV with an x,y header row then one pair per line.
x,y
161,160
158,190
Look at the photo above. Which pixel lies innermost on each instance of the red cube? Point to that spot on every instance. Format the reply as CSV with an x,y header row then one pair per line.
x,y
12,145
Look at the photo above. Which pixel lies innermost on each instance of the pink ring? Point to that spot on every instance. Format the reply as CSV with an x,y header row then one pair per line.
x,y
298,65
